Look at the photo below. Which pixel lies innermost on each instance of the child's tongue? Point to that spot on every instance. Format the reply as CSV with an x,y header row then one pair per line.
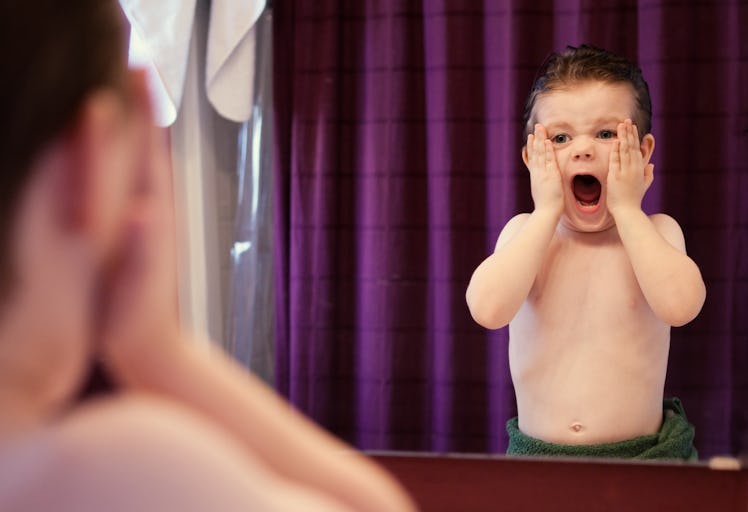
x,y
586,189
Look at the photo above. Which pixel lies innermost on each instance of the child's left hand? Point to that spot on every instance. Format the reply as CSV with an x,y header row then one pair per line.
x,y
628,176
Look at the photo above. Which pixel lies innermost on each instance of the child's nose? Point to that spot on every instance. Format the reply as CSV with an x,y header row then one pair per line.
x,y
583,151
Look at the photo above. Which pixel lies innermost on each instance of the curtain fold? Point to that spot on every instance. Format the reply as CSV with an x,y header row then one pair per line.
x,y
250,314
397,162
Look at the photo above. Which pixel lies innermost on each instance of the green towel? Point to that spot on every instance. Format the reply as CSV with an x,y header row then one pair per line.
x,y
673,441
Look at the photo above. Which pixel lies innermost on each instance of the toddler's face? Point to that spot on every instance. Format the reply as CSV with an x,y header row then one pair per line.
x,y
582,123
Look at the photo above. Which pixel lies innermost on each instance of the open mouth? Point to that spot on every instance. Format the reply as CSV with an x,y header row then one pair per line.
x,y
586,189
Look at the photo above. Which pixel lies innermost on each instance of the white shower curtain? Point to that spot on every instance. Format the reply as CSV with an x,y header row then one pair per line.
x,y
209,71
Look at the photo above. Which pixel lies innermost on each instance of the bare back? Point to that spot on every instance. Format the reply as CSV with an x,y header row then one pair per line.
x,y
587,354
136,452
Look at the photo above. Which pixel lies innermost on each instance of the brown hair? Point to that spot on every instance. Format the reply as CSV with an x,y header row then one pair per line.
x,y
56,54
585,63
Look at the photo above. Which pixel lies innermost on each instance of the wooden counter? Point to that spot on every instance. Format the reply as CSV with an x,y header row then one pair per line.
x,y
463,483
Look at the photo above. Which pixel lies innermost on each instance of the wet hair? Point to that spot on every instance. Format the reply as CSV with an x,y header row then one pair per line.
x,y
56,54
589,63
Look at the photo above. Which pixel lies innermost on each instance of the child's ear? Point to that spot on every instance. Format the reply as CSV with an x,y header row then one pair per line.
x,y
647,147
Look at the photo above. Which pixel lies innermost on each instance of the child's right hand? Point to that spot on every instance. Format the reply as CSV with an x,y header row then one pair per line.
x,y
545,177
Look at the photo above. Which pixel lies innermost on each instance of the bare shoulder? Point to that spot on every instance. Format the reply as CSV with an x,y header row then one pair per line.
x,y
670,230
511,228
138,453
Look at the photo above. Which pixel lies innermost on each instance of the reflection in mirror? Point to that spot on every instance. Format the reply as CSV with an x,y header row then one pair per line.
x,y
588,284
398,162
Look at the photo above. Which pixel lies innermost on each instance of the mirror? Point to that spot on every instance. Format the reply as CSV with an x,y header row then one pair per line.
x,y
398,157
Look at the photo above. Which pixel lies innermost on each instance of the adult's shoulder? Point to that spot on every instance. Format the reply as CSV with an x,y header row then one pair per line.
x,y
136,452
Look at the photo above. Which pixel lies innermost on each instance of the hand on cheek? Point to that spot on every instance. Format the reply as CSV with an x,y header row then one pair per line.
x,y
628,176
545,177
140,312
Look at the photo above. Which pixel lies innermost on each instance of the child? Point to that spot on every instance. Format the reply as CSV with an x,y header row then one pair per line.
x,y
588,283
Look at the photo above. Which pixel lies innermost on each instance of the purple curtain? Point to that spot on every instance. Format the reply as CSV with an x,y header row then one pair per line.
x,y
397,161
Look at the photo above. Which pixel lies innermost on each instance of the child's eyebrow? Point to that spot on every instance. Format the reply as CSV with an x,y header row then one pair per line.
x,y
558,125
609,120
603,121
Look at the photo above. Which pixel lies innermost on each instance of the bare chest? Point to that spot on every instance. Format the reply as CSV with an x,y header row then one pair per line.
x,y
586,289
583,331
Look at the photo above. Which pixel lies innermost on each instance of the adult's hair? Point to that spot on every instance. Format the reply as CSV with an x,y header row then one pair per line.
x,y
574,65
55,53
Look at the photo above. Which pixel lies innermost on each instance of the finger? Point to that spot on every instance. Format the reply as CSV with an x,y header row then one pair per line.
x,y
615,158
540,136
623,146
633,137
540,131
530,148
635,134
550,157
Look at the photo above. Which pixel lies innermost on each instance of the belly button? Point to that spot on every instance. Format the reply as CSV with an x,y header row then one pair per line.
x,y
576,427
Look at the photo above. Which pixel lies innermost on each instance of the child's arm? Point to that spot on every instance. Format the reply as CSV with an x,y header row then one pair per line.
x,y
670,280
502,282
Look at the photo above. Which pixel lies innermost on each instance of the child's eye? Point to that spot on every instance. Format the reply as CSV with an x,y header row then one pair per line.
x,y
561,138
607,134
